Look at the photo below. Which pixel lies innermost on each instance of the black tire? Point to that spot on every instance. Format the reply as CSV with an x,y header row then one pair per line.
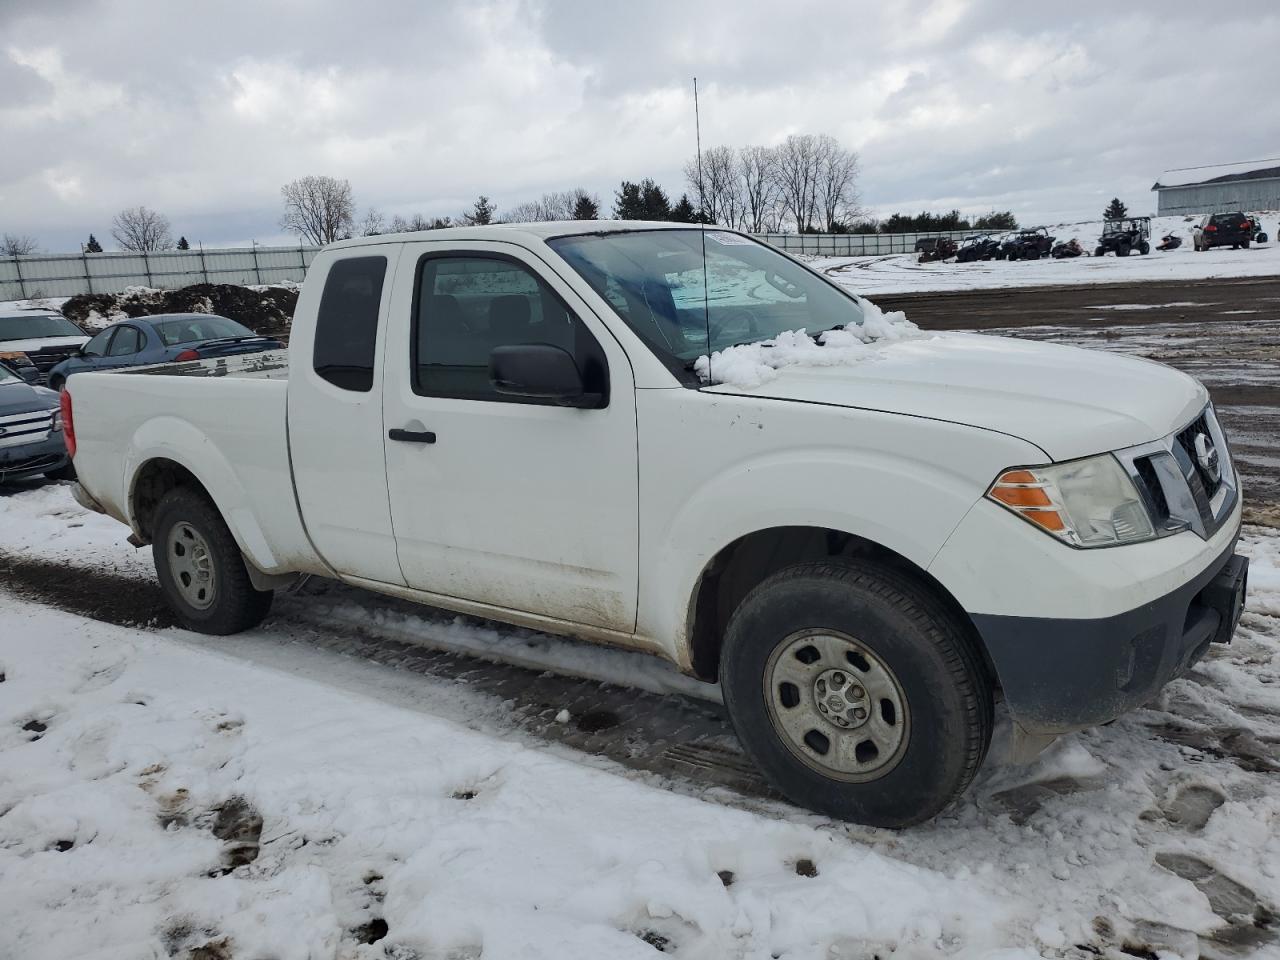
x,y
1100,252
1245,244
1144,248
236,605
1122,250
944,684
65,472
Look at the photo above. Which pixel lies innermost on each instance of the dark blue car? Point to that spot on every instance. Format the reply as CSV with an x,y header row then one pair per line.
x,y
161,339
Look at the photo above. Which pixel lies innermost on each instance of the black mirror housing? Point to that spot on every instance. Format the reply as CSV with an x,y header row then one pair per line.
x,y
539,371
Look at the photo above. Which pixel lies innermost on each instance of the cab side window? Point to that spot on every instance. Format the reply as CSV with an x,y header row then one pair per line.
x,y
347,323
468,305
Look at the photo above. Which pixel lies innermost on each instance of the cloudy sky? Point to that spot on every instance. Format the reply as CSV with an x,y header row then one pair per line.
x,y
202,110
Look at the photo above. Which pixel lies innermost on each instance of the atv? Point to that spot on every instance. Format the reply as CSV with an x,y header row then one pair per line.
x,y
1029,244
1125,235
1259,236
1068,248
940,249
979,247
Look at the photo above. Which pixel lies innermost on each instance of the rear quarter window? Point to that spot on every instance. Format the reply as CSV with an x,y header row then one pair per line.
x,y
347,323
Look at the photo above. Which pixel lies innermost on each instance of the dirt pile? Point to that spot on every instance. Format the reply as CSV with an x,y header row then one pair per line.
x,y
264,310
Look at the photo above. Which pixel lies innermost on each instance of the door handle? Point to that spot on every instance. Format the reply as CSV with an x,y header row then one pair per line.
x,y
411,436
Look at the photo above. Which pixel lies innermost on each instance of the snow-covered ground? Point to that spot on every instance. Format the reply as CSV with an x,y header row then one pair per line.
x,y
165,794
901,273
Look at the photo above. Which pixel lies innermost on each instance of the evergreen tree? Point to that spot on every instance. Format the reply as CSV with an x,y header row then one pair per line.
x,y
997,220
1115,210
585,208
627,203
182,244
683,211
93,246
654,201
481,214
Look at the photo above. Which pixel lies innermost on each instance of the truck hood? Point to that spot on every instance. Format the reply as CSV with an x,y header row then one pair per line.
x,y
1068,401
18,397
40,343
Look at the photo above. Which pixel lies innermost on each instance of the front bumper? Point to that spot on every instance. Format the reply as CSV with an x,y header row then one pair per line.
x,y
33,459
1061,674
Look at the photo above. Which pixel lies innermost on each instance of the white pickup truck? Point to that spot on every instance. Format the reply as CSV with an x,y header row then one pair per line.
x,y
864,533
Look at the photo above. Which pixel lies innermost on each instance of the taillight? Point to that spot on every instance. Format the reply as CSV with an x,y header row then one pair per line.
x,y
1210,228
68,425
188,355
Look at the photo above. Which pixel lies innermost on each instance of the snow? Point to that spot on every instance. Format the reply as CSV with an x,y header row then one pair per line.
x,y
751,364
412,801
901,273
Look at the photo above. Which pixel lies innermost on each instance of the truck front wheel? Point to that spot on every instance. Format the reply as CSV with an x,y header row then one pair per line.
x,y
201,570
856,692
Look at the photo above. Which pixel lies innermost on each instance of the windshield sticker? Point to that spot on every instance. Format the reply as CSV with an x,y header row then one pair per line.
x,y
729,239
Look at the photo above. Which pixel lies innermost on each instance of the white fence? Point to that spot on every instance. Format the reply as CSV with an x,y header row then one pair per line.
x,y
65,275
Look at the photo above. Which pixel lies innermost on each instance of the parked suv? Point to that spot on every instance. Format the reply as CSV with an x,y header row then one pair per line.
x,y
31,440
1223,229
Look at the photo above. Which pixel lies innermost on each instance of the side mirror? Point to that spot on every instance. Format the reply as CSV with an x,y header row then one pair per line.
x,y
539,371
29,374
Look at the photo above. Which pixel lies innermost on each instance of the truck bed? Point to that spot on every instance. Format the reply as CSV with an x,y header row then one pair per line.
x,y
268,365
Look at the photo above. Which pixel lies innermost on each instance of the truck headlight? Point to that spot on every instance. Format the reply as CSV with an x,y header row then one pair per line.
x,y
57,421
1087,503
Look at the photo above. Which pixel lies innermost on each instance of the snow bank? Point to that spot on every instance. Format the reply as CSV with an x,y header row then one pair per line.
x,y
752,364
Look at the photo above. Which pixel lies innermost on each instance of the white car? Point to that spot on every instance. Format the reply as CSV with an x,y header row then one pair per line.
x,y
863,543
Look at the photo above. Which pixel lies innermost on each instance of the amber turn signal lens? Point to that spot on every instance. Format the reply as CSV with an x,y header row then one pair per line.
x,y
1022,496
1049,519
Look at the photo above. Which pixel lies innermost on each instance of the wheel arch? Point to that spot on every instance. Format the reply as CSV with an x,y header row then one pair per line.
x,y
750,559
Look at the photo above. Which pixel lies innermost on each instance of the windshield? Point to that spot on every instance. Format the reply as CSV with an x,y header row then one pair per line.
x,y
7,376
653,279
192,329
36,325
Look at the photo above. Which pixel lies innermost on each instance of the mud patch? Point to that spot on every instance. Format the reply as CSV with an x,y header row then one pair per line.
x,y
806,868
268,311
1023,802
593,721
239,825
1249,923
111,598
1234,744
371,932
1192,805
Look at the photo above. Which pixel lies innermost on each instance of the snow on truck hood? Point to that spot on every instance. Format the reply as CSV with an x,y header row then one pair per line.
x,y
1068,401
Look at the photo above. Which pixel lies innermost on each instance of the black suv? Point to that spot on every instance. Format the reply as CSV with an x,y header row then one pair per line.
x,y
1232,230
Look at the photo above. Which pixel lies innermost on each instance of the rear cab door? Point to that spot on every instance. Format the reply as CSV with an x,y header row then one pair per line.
x,y
335,410
513,503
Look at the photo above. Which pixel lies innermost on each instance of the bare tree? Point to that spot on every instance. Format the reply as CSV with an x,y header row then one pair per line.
x,y
14,245
797,171
719,189
318,209
417,223
558,205
759,187
141,230
837,178
372,224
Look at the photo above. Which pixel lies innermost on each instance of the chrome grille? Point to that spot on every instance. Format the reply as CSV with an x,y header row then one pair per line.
x,y
1186,480
46,358
19,428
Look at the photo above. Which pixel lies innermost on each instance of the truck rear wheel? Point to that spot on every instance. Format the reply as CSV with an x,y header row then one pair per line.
x,y
201,570
856,692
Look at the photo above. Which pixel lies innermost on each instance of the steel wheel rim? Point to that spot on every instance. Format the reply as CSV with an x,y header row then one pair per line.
x,y
191,565
836,705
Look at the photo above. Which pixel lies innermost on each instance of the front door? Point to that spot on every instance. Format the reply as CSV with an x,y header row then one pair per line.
x,y
513,504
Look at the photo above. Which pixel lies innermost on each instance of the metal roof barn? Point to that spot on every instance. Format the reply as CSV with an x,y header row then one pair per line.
x,y
1221,188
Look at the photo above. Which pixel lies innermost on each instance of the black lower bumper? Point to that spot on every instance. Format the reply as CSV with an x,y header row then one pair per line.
x,y
33,459
1060,675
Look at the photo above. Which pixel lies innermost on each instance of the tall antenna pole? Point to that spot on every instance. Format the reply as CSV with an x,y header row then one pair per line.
x,y
702,225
